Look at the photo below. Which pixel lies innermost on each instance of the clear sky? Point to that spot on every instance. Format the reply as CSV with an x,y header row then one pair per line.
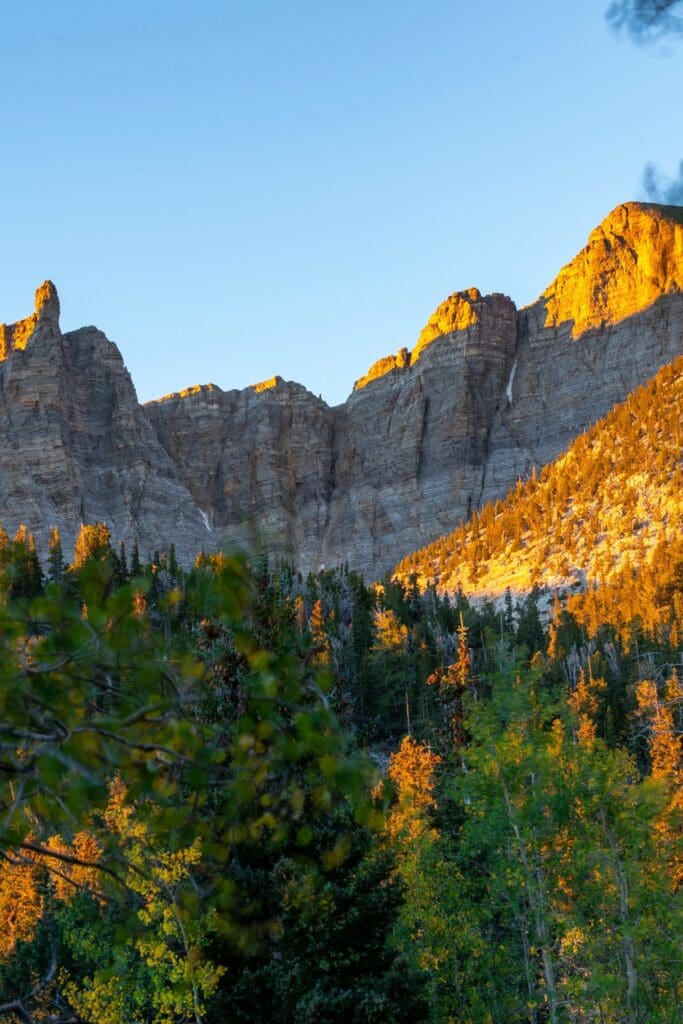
x,y
235,189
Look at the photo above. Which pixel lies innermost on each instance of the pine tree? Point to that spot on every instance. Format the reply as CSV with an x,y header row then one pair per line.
x,y
123,563
55,561
173,567
666,759
92,543
135,565
25,573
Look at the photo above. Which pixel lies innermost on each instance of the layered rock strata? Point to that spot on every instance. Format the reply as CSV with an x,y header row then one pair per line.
x,y
487,393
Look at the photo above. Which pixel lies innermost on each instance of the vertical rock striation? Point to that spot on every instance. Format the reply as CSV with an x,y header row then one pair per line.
x,y
257,462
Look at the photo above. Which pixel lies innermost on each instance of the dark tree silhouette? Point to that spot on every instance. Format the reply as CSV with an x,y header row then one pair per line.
x,y
646,21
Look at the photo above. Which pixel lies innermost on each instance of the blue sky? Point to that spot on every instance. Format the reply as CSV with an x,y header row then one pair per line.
x,y
236,189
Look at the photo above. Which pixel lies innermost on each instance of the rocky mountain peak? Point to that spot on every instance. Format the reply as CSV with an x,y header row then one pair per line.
x,y
16,336
630,261
383,366
47,304
459,312
267,385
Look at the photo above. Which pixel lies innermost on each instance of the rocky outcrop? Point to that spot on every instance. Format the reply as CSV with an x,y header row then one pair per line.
x,y
75,445
487,393
631,260
410,448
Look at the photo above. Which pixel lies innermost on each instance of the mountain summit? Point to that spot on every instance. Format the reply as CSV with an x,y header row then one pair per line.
x,y
488,393
631,260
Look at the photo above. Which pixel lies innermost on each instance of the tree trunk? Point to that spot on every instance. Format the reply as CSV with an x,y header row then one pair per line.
x,y
535,886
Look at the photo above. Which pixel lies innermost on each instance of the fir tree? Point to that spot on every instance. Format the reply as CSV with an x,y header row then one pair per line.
x,y
123,563
55,561
135,564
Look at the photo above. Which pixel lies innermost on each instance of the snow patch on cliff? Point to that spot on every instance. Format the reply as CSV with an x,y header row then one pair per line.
x,y
508,389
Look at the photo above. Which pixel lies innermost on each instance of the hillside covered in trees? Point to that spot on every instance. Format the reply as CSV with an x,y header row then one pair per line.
x,y
237,793
610,506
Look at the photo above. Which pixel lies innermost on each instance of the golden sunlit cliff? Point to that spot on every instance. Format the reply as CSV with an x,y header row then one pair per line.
x,y
458,312
631,260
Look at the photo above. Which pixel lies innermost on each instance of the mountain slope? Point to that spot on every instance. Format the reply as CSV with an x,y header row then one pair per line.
x,y
613,500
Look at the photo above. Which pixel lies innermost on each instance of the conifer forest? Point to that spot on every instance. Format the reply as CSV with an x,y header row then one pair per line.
x,y
261,797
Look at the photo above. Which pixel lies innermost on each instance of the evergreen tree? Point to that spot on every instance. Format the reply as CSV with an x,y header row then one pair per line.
x,y
93,543
24,570
135,564
55,561
123,564
173,567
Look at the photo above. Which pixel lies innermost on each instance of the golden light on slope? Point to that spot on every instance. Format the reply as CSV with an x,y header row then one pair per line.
x,y
195,389
384,366
16,336
455,314
612,498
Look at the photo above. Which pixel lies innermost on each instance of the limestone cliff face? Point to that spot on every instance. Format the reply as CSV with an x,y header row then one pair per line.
x,y
257,462
487,393
411,446
354,483
75,445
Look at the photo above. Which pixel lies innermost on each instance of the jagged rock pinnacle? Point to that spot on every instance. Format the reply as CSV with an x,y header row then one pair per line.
x,y
16,336
47,303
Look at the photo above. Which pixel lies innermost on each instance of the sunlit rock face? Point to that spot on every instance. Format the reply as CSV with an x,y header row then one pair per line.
x,y
631,260
43,321
610,319
487,393
75,445
410,447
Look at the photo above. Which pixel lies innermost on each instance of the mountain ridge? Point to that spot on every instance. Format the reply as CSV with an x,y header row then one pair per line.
x,y
488,393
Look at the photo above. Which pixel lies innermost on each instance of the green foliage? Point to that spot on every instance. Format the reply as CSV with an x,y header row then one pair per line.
x,y
198,835
557,902
116,727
